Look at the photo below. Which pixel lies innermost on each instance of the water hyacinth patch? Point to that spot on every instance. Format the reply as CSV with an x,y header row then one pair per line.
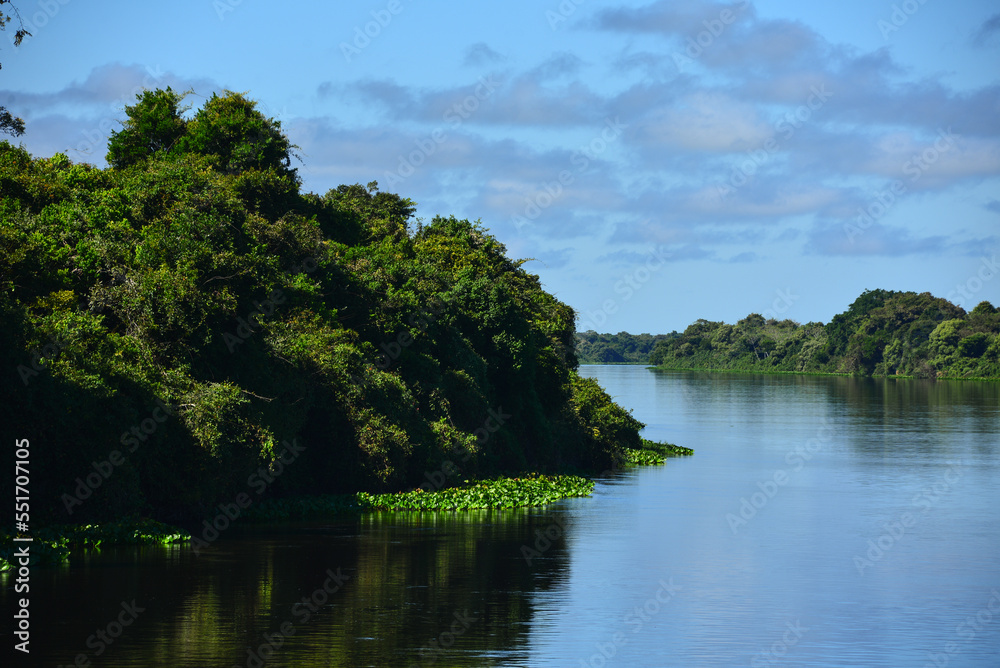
x,y
531,490
666,449
524,491
643,458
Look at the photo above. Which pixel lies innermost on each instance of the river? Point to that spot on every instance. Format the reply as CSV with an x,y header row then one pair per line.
x,y
823,521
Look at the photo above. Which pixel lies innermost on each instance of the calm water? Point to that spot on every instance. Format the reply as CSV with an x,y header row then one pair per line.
x,y
822,522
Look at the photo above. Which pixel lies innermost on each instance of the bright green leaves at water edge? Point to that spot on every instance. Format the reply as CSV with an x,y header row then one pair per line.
x,y
51,545
505,492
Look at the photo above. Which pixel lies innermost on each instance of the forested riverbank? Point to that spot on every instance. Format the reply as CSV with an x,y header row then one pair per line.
x,y
883,333
187,326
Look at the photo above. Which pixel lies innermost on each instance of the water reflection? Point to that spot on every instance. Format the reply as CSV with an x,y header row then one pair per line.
x,y
380,589
588,581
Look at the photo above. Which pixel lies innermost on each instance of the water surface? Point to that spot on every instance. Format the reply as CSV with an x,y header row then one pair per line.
x,y
822,522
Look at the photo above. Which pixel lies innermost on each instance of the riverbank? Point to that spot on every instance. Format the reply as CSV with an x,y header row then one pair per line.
x,y
758,372
51,546
523,491
766,372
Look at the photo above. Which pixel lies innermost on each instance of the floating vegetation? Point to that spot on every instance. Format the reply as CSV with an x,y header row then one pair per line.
x,y
642,458
653,453
666,449
531,490
125,532
50,546
527,490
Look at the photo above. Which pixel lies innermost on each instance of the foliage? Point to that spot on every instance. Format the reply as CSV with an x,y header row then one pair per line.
x,y
9,124
523,491
620,348
652,453
642,458
190,315
666,449
154,125
531,490
883,333
51,545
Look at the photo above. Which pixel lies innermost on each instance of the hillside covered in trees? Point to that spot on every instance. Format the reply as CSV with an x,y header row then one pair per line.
x,y
187,325
883,333
620,348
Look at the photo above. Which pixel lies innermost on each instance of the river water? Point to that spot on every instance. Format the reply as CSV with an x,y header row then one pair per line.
x,y
823,521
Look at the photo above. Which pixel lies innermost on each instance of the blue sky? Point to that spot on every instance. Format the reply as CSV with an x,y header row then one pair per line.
x,y
660,161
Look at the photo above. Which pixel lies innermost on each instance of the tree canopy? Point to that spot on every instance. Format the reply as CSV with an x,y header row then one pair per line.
x,y
189,309
882,333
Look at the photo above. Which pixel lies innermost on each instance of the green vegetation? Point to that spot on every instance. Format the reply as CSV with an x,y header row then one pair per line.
x,y
9,124
666,449
620,348
643,458
51,545
187,326
653,454
883,333
526,491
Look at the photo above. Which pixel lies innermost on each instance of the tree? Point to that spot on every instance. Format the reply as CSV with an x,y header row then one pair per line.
x,y
10,124
154,124
238,137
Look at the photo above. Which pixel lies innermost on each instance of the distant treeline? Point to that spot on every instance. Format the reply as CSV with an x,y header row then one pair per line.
x,y
883,333
620,348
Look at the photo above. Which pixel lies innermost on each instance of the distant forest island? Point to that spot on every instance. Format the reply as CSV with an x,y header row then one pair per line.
x,y
883,333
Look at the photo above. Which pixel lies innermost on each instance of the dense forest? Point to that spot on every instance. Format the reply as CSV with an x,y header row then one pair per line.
x,y
620,348
883,333
187,324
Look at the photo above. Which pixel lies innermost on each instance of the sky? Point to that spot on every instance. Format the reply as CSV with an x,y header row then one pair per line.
x,y
659,162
